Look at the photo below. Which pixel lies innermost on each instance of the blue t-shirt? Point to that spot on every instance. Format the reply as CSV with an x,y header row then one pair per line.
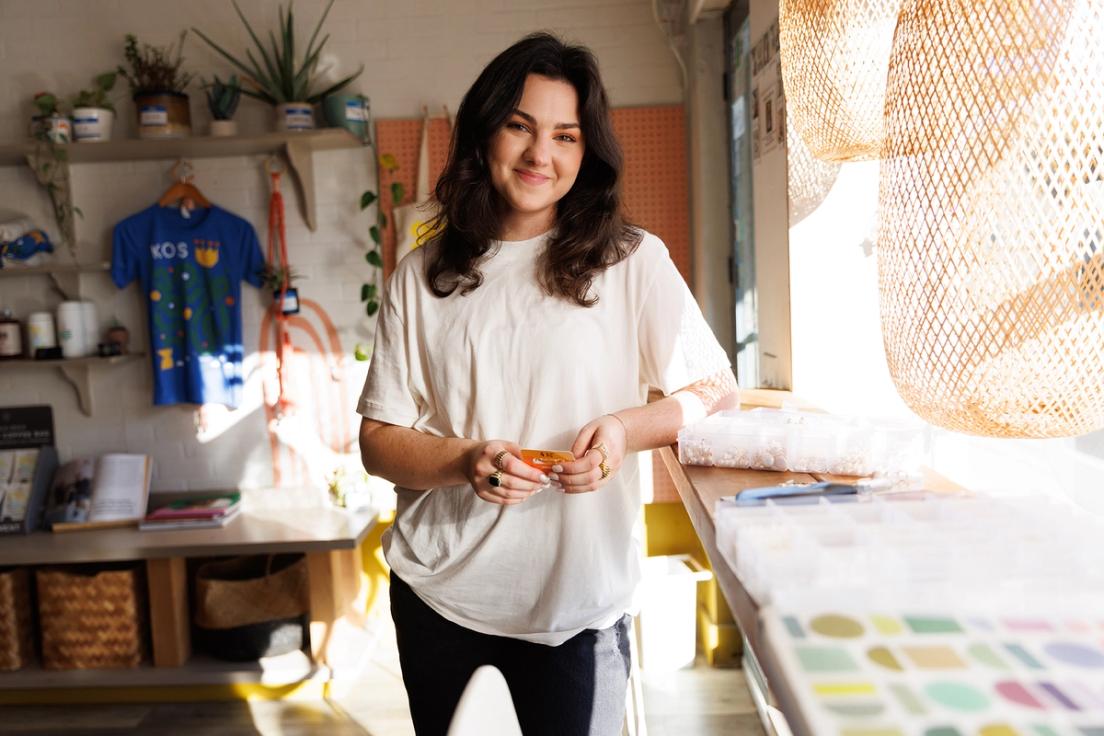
x,y
190,269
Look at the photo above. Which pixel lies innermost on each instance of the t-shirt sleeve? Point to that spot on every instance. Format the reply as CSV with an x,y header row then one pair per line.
x,y
253,260
677,347
387,395
124,260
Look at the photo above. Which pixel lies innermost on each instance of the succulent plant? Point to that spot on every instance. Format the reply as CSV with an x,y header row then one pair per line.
x,y
276,77
223,97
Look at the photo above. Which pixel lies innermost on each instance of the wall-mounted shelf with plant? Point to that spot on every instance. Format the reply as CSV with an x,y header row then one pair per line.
x,y
158,85
277,78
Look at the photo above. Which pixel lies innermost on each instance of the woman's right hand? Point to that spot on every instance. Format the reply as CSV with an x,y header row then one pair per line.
x,y
500,459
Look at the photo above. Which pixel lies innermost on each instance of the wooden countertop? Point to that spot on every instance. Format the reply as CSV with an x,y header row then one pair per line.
x,y
700,487
258,529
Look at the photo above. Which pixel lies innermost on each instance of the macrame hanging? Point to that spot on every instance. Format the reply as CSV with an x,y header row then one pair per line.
x,y
834,59
990,260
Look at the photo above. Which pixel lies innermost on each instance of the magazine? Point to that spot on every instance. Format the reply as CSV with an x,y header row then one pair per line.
x,y
111,490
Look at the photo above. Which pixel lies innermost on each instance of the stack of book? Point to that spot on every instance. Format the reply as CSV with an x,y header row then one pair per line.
x,y
202,512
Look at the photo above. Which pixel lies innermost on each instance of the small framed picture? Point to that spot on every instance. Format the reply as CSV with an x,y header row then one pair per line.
x,y
291,300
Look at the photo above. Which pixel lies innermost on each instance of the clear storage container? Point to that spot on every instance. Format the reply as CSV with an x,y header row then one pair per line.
x,y
803,442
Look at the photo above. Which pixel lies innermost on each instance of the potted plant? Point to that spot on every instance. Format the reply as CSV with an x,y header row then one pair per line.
x,y
93,112
50,124
158,87
222,101
276,77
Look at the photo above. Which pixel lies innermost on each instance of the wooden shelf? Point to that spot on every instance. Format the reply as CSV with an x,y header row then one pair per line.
x,y
65,277
298,146
77,371
55,268
88,361
261,528
291,669
134,149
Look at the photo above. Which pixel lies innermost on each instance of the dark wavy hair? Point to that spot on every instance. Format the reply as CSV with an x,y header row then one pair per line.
x,y
591,232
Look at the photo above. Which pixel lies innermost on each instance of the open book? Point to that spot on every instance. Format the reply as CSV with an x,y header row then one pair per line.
x,y
112,490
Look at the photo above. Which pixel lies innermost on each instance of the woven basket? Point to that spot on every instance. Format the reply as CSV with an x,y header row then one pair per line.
x,y
250,590
252,607
16,619
92,618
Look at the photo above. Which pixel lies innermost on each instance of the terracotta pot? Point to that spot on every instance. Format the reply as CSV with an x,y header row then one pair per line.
x,y
118,335
163,115
224,128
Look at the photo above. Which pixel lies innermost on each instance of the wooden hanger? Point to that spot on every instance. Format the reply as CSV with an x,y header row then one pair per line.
x,y
182,189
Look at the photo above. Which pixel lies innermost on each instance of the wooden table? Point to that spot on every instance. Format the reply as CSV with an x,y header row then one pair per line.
x,y
701,487
329,537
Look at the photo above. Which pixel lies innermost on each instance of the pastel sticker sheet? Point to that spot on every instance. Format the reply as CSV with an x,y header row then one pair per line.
x,y
895,673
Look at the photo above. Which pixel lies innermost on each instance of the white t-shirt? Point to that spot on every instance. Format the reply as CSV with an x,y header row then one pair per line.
x,y
509,362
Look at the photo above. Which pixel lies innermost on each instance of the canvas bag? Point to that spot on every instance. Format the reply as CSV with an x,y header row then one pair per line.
x,y
412,220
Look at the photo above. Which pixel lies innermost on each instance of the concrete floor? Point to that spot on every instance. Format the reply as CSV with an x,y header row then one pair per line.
x,y
701,701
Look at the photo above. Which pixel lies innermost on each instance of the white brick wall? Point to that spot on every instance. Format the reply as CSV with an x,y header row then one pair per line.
x,y
414,52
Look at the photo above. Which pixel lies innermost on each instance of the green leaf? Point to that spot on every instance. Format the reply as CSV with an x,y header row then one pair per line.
x,y
263,82
78,211
372,308
362,352
374,231
365,295
105,81
398,191
263,97
372,290
252,73
317,28
367,199
289,44
335,87
373,257
260,46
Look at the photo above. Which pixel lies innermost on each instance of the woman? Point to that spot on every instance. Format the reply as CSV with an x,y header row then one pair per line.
x,y
536,318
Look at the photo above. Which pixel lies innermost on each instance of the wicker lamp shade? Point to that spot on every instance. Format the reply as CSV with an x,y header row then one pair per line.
x,y
991,247
834,59
808,179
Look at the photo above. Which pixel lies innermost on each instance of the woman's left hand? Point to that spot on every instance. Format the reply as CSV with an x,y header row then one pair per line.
x,y
599,449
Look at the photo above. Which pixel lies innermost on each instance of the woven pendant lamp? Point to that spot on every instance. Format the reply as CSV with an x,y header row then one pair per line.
x,y
834,59
991,247
808,180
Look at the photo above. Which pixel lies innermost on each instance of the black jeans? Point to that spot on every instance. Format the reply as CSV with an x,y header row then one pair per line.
x,y
575,689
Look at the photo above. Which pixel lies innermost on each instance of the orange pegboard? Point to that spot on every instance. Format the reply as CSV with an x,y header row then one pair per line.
x,y
402,139
655,185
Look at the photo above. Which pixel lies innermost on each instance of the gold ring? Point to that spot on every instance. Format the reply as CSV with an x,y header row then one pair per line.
x,y
605,469
495,478
497,462
602,450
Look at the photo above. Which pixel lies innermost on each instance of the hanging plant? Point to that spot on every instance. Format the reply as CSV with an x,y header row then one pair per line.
x,y
370,290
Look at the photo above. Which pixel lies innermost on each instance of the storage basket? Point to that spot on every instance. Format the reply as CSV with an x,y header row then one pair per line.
x,y
16,619
92,617
252,607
